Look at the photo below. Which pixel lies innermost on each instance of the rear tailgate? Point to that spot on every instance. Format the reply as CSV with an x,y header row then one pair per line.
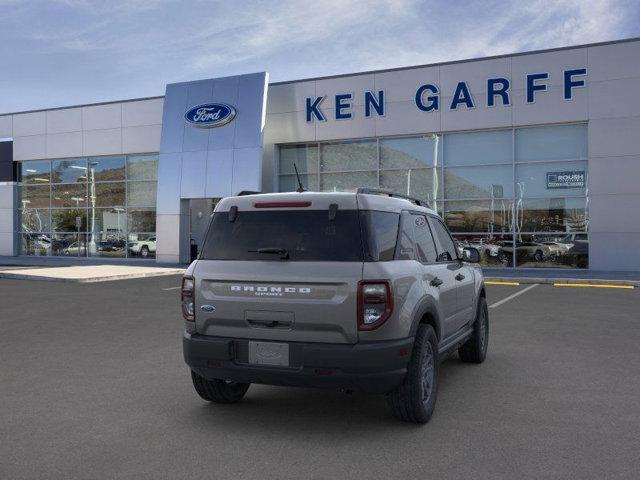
x,y
281,267
278,300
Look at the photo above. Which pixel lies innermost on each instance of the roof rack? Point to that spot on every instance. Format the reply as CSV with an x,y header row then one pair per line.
x,y
391,193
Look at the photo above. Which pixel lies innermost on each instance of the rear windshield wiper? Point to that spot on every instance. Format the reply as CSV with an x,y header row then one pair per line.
x,y
284,254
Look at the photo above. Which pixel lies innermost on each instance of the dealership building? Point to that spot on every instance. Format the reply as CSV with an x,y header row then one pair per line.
x,y
534,158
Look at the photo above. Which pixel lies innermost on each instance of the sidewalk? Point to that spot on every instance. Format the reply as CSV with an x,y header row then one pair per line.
x,y
86,273
551,276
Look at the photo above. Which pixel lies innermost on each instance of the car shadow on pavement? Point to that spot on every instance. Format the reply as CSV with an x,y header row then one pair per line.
x,y
290,410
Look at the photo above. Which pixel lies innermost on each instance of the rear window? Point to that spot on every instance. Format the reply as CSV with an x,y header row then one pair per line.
x,y
305,235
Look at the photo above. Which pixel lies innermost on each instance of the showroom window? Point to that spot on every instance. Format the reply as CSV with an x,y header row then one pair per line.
x,y
518,195
95,206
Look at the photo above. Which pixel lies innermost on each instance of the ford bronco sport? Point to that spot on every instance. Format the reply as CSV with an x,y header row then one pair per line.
x,y
356,291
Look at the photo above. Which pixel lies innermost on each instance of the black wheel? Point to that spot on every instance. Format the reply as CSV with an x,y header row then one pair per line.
x,y
415,400
219,391
144,251
475,349
538,256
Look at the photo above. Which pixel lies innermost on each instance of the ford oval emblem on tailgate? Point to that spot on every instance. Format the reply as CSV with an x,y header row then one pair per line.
x,y
208,308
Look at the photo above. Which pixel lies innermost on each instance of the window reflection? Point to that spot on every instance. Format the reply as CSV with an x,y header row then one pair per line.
x,y
478,148
69,195
289,183
478,182
420,183
349,156
413,152
558,142
69,245
141,194
566,179
35,220
109,194
495,250
142,245
142,167
107,168
479,216
83,210
552,215
66,220
570,250
37,172
69,171
348,182
35,196
305,158
142,220
37,244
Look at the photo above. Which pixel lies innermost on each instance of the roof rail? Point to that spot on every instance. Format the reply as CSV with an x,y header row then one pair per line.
x,y
391,193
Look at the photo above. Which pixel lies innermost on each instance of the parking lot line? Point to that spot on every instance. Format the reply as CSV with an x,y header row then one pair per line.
x,y
511,297
171,288
495,282
592,285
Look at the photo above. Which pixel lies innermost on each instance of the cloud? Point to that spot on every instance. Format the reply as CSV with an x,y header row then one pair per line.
x,y
127,48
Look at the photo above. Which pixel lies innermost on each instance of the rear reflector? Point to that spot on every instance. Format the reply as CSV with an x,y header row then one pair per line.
x,y
282,204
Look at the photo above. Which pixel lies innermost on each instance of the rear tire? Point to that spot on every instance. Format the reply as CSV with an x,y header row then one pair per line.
x,y
415,400
475,349
219,391
144,251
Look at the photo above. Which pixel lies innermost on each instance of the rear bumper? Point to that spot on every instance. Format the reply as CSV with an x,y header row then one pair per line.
x,y
375,367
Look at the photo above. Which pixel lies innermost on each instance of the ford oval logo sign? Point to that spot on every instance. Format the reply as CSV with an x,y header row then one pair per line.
x,y
210,115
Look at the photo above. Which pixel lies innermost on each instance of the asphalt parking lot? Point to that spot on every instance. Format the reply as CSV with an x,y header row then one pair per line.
x,y
93,386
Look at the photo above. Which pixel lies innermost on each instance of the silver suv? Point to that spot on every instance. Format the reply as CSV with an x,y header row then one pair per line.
x,y
356,291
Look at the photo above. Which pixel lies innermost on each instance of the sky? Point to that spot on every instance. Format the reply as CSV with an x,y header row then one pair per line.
x,y
69,52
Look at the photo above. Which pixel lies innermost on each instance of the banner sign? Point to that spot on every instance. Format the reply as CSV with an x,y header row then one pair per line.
x,y
569,179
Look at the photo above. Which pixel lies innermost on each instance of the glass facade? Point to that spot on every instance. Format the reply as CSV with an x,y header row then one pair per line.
x,y
518,195
95,206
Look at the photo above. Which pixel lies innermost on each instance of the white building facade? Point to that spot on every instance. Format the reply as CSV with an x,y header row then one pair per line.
x,y
534,158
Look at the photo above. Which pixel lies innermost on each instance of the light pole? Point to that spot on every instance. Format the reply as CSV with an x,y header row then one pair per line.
x,y
92,174
92,196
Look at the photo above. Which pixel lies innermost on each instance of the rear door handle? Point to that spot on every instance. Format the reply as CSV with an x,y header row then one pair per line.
x,y
436,282
459,277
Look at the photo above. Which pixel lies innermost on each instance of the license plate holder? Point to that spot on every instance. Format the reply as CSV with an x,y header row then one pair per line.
x,y
269,353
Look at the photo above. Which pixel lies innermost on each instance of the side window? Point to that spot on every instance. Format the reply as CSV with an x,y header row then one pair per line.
x,y
382,233
405,249
426,249
444,243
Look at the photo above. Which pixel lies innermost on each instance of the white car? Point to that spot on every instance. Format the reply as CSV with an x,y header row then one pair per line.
x,y
557,248
143,247
75,249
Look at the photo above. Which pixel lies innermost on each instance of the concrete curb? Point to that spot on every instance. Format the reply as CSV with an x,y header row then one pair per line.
x,y
104,278
551,281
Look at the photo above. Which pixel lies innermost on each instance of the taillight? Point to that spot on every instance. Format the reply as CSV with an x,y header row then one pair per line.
x,y
186,299
375,303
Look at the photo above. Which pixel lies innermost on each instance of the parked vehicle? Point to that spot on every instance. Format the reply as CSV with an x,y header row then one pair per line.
x,y
75,249
557,249
355,291
525,252
143,247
